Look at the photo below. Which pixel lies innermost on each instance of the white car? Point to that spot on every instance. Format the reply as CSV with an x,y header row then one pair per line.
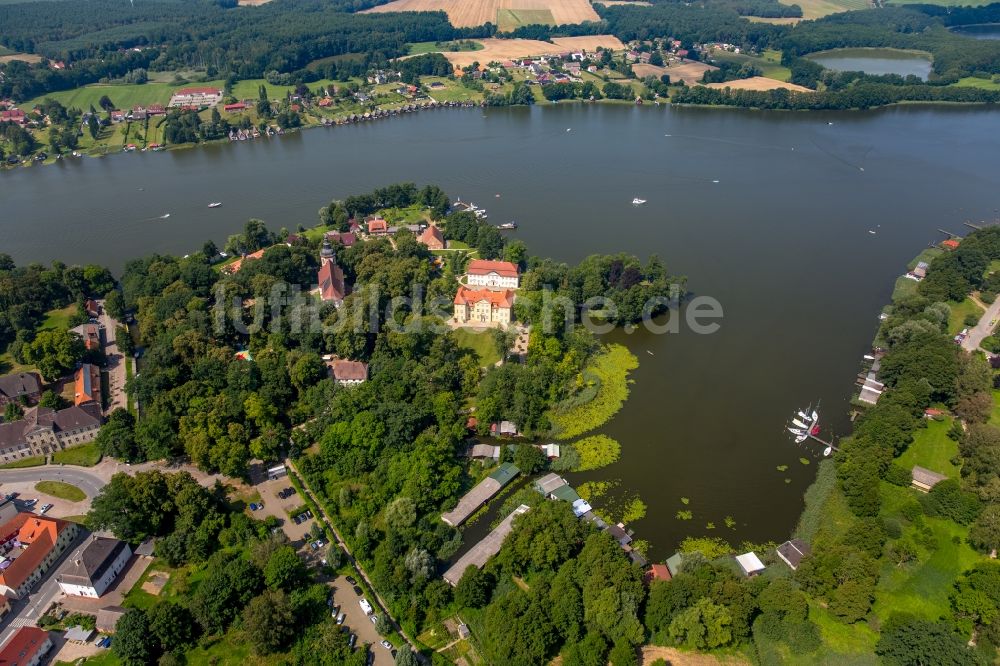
x,y
365,606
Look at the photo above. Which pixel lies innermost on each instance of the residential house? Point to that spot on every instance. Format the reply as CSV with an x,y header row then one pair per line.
x,y
31,543
156,110
237,106
483,306
92,308
951,243
139,112
91,335
504,429
345,238
919,272
117,116
377,226
195,97
924,479
484,452
94,567
656,572
12,116
432,238
492,274
27,647
21,387
87,385
348,373
791,552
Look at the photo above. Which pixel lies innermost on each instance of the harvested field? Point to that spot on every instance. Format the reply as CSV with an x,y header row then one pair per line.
x,y
467,13
759,83
773,21
642,71
689,72
509,49
25,57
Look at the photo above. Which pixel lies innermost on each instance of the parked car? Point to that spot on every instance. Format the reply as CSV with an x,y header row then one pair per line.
x,y
386,644
45,508
341,618
358,591
254,506
31,502
365,606
350,579
373,618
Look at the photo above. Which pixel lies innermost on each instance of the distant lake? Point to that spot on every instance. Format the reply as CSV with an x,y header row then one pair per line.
x,y
874,61
979,31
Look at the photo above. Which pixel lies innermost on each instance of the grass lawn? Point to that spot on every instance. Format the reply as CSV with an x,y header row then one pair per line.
x,y
123,96
956,322
927,256
842,640
80,520
86,455
933,449
31,461
106,658
8,365
418,48
995,416
227,649
62,490
922,587
769,63
973,82
481,343
58,319
453,91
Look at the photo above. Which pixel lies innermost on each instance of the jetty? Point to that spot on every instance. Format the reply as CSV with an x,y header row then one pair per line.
x,y
480,494
490,545
871,388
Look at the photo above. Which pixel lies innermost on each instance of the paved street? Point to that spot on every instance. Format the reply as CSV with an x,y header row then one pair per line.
x,y
83,478
984,328
116,362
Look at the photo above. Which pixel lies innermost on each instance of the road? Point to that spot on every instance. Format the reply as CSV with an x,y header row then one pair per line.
x,y
378,602
87,481
984,328
116,362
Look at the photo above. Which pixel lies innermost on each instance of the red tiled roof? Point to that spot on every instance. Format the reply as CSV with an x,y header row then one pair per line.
x,y
499,299
331,282
238,264
484,267
87,384
950,243
40,534
348,370
378,225
23,646
432,237
657,572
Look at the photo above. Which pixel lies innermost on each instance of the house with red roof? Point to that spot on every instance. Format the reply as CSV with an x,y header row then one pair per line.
x,y
345,238
31,543
377,226
348,373
12,116
483,306
27,647
492,274
432,238
951,243
235,267
238,106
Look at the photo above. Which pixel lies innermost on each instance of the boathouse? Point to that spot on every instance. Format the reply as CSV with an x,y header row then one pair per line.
x,y
791,552
925,479
750,564
480,494
479,554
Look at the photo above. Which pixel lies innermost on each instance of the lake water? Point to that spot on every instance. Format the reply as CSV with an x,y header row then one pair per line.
x,y
874,61
781,240
979,31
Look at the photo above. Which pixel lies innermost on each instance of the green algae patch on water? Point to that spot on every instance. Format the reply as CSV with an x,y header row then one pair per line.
x,y
600,391
596,451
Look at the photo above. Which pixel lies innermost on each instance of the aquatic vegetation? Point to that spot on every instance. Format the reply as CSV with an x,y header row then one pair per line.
x,y
782,468
710,547
685,501
788,480
685,515
730,522
634,510
591,490
603,388
804,461
596,451
710,525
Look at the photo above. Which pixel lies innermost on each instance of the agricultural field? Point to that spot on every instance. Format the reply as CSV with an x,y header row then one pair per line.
x,y
468,13
419,48
124,96
8,56
510,49
817,8
690,72
759,83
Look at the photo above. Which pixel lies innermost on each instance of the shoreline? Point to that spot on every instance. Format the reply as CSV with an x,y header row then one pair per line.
x,y
406,109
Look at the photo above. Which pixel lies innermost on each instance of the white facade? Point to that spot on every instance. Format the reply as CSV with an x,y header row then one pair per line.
x,y
493,280
107,575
